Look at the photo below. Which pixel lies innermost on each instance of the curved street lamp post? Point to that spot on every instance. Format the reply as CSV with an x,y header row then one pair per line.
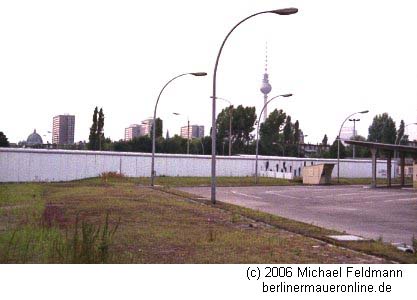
x,y
338,142
154,117
284,11
257,133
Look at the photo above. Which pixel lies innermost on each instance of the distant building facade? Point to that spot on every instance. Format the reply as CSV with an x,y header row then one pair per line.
x,y
195,131
136,130
347,133
132,132
63,130
309,150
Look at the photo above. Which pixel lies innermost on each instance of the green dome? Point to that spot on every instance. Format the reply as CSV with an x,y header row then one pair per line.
x,y
34,139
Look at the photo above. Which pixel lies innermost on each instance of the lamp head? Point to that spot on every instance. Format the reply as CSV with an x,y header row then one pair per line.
x,y
175,113
285,11
286,95
199,73
364,112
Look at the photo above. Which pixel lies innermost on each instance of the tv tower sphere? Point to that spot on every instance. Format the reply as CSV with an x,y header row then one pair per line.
x,y
266,87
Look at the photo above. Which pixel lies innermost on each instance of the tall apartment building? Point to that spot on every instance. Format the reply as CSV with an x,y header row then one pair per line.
x,y
63,130
147,126
195,131
136,130
133,131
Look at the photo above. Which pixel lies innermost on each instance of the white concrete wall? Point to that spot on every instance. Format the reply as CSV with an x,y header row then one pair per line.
x,y
22,165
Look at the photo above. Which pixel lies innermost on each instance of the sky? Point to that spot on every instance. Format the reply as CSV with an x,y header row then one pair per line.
x,y
336,57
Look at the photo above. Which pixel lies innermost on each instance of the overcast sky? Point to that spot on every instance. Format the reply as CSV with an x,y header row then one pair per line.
x,y
336,57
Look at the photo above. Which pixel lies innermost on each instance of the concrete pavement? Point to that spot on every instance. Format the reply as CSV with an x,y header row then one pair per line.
x,y
371,213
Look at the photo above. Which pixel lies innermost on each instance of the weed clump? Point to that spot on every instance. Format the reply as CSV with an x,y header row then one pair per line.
x,y
52,215
89,243
106,176
84,243
211,235
235,218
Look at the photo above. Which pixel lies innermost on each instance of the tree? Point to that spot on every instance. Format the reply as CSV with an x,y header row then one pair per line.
x,y
382,129
96,137
297,132
100,129
242,125
323,150
333,150
122,146
196,146
288,131
223,125
92,139
291,148
207,144
176,145
158,129
400,133
297,136
279,136
359,151
270,132
324,141
404,140
3,140
141,144
107,144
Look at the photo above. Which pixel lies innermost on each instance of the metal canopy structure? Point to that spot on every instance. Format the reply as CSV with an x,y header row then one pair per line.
x,y
389,150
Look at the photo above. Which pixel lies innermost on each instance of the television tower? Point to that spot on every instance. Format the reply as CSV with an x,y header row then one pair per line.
x,y
266,87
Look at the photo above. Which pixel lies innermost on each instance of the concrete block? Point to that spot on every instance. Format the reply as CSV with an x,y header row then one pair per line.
x,y
318,174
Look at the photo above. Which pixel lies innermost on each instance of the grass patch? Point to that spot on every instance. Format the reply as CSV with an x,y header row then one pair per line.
x,y
196,181
111,179
367,181
20,194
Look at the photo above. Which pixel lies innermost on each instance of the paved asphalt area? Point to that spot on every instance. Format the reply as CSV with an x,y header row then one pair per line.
x,y
371,213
